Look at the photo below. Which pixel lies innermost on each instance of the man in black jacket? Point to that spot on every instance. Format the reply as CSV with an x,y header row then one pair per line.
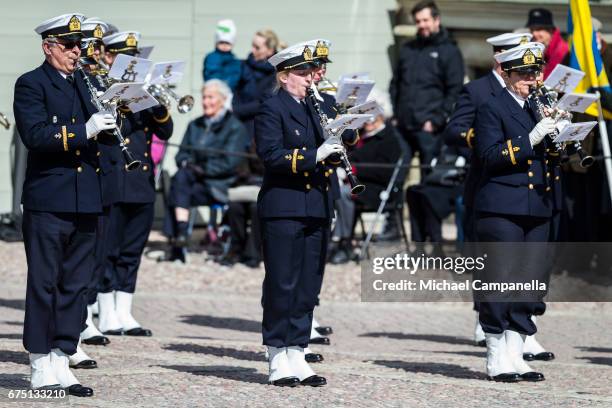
x,y
426,82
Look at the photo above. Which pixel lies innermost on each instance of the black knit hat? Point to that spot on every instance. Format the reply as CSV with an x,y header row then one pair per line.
x,y
540,17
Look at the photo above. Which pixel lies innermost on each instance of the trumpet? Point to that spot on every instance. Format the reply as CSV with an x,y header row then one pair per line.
x,y
356,186
326,85
130,162
539,92
4,121
164,95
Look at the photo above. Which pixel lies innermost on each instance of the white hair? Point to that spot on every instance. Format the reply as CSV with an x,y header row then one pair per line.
x,y
223,89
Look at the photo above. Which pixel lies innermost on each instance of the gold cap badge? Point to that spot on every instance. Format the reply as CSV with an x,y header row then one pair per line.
x,y
307,54
131,40
74,24
529,58
90,49
321,50
97,32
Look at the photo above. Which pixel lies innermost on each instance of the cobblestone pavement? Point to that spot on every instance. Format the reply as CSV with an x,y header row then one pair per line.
x,y
206,350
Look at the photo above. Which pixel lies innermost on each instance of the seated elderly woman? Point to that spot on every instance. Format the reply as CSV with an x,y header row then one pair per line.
x,y
204,173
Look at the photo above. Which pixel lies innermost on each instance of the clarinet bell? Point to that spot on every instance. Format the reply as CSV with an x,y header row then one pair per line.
x,y
356,187
133,165
586,160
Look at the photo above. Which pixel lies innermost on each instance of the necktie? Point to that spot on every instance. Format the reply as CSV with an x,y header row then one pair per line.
x,y
70,80
528,110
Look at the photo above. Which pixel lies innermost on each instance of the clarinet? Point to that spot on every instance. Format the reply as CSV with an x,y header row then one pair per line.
x,y
356,186
586,160
130,162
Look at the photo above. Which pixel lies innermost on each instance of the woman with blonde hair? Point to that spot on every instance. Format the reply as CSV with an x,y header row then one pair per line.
x,y
257,78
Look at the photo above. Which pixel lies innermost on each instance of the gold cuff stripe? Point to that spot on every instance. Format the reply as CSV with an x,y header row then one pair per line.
x,y
468,138
511,152
164,119
65,138
294,161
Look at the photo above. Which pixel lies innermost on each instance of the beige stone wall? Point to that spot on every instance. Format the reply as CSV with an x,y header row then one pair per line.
x,y
183,29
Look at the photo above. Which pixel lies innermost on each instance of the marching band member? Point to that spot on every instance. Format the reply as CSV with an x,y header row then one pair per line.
x,y
131,213
460,132
513,202
93,30
295,206
61,200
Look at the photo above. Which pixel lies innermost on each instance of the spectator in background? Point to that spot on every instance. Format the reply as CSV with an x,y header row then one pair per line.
x,y
221,63
426,82
540,23
257,78
203,176
379,143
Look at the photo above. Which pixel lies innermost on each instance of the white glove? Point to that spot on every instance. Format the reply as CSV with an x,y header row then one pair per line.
x,y
329,147
98,122
543,128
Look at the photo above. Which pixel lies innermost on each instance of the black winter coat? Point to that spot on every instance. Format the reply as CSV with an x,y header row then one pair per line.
x,y
426,81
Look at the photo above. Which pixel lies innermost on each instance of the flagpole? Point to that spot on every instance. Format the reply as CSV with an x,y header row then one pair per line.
x,y
605,144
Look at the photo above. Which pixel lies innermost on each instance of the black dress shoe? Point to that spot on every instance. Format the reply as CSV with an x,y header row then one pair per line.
x,y
79,391
482,343
314,381
96,341
532,376
113,332
313,358
544,356
528,356
85,364
324,330
138,331
506,377
251,263
320,340
286,382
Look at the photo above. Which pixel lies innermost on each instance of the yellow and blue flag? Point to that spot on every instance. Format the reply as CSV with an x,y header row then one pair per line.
x,y
584,54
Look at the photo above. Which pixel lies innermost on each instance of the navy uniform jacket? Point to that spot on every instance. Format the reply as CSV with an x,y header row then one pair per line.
x,y
460,129
294,184
138,186
514,179
63,166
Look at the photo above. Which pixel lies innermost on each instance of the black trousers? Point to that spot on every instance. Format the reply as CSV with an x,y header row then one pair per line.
x,y
294,252
60,255
130,225
238,216
101,252
427,144
423,220
496,317
186,190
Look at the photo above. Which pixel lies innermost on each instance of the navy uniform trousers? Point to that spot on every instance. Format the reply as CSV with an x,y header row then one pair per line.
x,y
61,200
129,226
514,204
132,212
294,251
496,317
295,206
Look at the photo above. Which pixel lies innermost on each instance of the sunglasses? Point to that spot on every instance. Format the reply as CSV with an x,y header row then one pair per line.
x,y
67,45
528,74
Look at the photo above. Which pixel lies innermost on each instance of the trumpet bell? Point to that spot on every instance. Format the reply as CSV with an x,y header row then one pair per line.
x,y
4,121
185,104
